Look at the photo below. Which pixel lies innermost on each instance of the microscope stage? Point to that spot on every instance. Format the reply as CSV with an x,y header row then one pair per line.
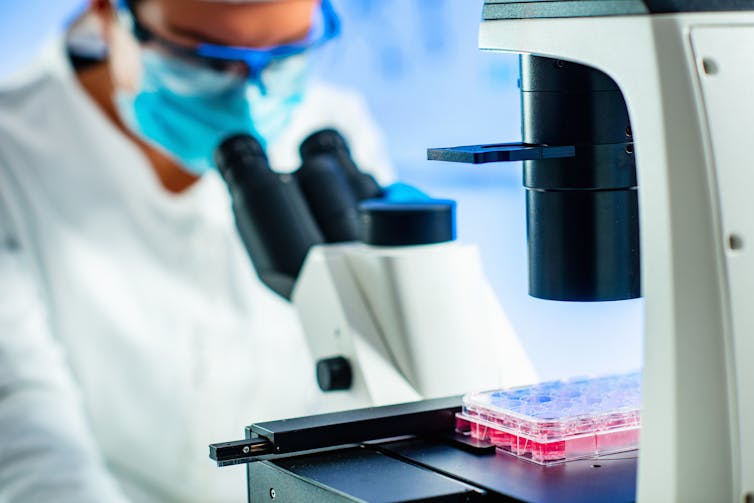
x,y
434,470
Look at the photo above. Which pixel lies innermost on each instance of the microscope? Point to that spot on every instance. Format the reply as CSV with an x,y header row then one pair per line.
x,y
362,267
634,114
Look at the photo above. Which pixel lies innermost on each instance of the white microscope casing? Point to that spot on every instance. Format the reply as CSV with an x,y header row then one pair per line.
x,y
686,79
413,321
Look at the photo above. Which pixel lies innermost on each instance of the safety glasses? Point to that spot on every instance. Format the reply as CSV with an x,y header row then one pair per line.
x,y
325,27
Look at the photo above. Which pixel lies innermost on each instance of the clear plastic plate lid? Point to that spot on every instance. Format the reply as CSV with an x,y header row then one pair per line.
x,y
558,410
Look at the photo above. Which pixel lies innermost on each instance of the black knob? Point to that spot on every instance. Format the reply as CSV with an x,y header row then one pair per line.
x,y
334,374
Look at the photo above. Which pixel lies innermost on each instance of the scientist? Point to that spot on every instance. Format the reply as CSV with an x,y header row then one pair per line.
x,y
133,330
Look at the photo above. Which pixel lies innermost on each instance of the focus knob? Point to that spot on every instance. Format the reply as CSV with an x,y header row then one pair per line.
x,y
334,374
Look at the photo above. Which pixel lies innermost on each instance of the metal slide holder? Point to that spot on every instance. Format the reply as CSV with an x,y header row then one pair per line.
x,y
291,436
500,152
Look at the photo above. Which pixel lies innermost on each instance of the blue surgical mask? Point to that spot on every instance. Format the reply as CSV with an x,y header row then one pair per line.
x,y
187,110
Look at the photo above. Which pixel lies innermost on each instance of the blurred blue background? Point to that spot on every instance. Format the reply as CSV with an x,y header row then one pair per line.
x,y
428,85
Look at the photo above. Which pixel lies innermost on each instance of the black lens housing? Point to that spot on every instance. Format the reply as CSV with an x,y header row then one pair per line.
x,y
582,212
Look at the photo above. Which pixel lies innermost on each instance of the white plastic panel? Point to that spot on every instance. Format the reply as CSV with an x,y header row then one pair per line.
x,y
726,73
440,318
686,364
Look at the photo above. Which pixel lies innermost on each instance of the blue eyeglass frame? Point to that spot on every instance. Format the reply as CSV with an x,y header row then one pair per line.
x,y
256,59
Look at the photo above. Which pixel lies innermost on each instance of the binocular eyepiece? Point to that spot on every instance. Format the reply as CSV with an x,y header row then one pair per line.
x,y
327,200
281,216
272,216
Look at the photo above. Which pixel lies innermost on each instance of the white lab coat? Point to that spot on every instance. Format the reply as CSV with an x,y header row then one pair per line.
x,y
133,330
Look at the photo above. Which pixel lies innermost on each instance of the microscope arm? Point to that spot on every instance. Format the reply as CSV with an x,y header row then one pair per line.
x,y
414,322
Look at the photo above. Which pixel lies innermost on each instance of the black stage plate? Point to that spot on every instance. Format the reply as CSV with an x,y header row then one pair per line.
x,y
355,474
434,470
611,479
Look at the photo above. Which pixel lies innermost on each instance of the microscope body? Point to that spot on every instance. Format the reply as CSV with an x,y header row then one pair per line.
x,y
412,322
685,78
394,310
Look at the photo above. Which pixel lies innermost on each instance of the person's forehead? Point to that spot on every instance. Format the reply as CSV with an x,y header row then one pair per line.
x,y
233,22
191,8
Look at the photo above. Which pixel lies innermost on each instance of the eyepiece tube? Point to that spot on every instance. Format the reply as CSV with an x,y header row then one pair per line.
x,y
330,198
274,222
330,143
